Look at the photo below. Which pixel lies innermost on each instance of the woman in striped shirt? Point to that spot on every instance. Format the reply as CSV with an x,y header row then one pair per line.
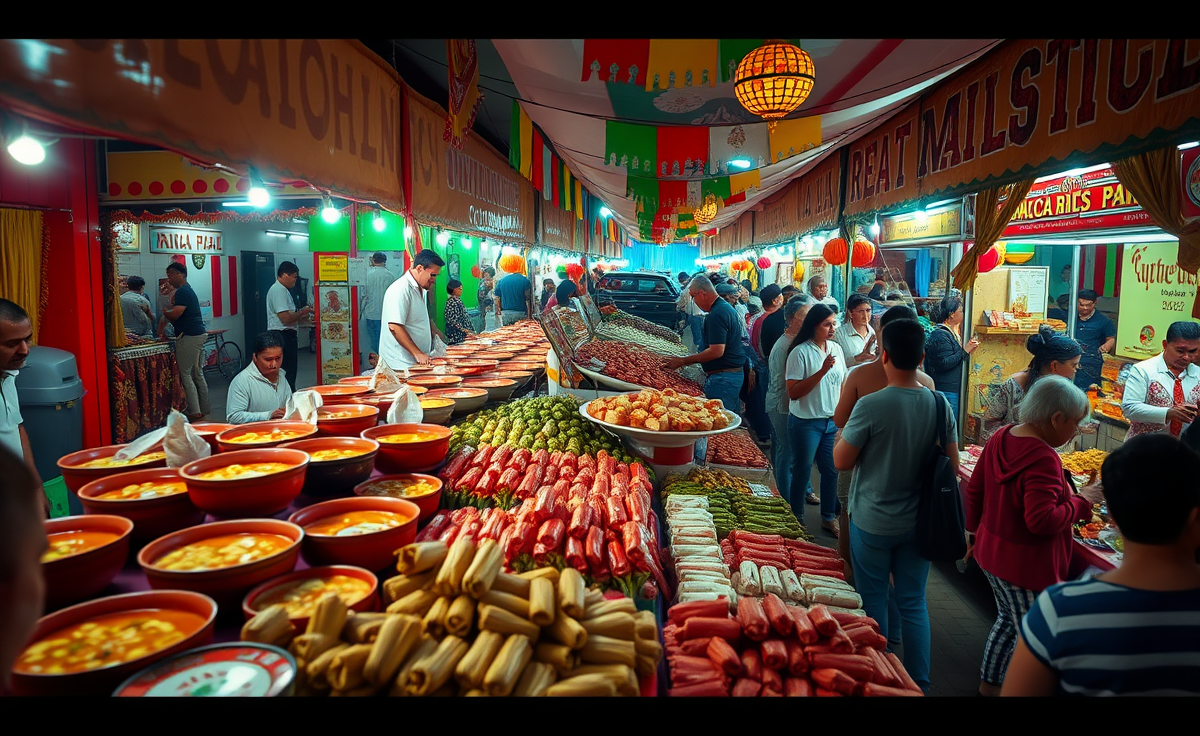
x,y
1134,630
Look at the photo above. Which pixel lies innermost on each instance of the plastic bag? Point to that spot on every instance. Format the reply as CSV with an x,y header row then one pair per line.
x,y
439,348
405,408
385,380
303,406
181,443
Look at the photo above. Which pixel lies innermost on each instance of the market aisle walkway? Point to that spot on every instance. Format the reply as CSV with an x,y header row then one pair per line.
x,y
961,611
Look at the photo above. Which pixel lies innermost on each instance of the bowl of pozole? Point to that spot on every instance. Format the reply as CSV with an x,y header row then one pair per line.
x,y
264,434
346,420
466,398
246,483
89,648
210,430
335,464
156,500
362,531
83,555
409,448
80,468
423,490
223,559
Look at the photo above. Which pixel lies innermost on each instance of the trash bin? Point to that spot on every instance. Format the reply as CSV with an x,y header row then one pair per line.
x,y
49,390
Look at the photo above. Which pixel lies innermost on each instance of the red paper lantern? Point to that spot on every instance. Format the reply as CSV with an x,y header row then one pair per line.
x,y
991,258
835,251
764,262
476,272
864,253
574,271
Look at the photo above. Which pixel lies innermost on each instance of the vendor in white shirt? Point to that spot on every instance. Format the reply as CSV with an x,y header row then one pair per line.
x,y
261,391
1161,393
409,336
855,336
818,288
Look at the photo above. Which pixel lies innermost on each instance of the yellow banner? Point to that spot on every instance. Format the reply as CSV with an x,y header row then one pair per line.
x,y
1154,293
323,111
911,227
1024,108
333,268
151,175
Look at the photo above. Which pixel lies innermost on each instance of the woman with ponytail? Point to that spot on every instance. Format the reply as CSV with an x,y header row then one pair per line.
x,y
944,350
1053,354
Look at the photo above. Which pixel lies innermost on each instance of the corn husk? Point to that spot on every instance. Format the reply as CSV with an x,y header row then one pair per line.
x,y
363,628
420,556
401,585
534,680
509,583
346,670
311,646
616,605
329,616
617,625
541,572
560,656
566,630
433,672
541,601
607,650
416,603
435,617
450,575
494,618
471,668
270,626
318,667
506,668
397,637
488,562
583,686
571,592
425,646
509,602
625,679
461,616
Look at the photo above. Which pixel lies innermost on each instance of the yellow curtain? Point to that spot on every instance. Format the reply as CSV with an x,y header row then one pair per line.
x,y
21,260
114,319
1153,178
989,223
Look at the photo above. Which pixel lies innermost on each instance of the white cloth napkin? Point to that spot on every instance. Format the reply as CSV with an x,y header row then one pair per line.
x,y
303,406
181,443
405,408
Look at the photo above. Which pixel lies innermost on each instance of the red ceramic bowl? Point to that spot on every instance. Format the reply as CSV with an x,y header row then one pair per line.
x,y
361,416
520,377
151,517
435,381
498,389
335,477
224,439
210,430
226,585
76,477
333,391
463,371
355,380
428,503
370,602
263,495
101,681
410,457
83,575
494,355
374,550
466,398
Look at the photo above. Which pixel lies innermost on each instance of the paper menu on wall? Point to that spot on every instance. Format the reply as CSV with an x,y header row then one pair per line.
x,y
1027,290
357,269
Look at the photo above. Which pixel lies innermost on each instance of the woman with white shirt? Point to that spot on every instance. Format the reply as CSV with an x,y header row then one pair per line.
x,y
855,336
815,369
777,402
261,391
1161,393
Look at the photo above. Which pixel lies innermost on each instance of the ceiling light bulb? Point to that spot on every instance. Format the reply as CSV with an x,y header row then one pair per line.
x,y
27,150
466,243
378,222
741,163
329,213
407,232
443,237
258,194
605,212
921,216
874,228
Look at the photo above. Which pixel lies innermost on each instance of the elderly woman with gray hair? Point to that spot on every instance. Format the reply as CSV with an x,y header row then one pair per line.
x,y
1020,506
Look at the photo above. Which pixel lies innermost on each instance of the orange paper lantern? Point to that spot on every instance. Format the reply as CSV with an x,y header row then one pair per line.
x,y
834,251
864,253
512,263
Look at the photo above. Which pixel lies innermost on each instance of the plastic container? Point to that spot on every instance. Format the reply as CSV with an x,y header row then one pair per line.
x,y
49,391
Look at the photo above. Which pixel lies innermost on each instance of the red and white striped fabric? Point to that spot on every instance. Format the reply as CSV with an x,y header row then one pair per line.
x,y
223,271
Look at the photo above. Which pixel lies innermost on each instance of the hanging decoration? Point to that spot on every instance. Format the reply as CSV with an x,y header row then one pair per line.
x,y
863,253
512,263
179,216
561,271
707,211
1017,253
764,262
991,258
475,272
573,271
463,70
798,272
834,251
616,60
774,80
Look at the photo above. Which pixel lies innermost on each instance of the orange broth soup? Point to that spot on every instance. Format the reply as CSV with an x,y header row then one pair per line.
x,y
113,462
67,544
405,437
320,455
400,488
236,471
322,414
226,550
140,491
356,522
275,435
300,597
108,641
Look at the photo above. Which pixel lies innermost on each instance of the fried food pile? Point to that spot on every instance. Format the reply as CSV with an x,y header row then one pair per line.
x,y
661,411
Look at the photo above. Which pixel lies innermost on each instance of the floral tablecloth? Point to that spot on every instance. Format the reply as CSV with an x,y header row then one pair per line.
x,y
144,385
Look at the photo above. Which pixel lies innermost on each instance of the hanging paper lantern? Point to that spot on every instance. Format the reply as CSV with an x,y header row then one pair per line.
x,y
573,271
561,270
773,80
864,253
707,211
798,272
1017,253
834,251
476,272
992,258
764,262
512,263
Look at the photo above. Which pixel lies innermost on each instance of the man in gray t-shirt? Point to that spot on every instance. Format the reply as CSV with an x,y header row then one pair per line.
x,y
889,437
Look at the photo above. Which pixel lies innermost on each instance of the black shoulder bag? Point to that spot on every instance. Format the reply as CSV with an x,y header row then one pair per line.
x,y
941,527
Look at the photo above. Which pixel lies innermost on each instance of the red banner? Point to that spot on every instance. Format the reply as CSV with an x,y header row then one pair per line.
x,y
1070,204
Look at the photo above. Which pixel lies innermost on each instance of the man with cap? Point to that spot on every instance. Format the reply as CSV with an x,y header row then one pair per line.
x,y
721,354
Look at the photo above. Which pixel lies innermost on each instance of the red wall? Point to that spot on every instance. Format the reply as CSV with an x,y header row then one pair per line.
x,y
74,318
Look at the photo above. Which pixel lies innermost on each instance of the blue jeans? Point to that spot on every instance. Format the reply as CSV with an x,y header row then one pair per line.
x,y
374,330
756,403
783,454
875,557
952,397
812,440
726,387
696,323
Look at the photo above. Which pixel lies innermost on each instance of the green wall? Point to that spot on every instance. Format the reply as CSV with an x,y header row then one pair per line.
x,y
335,238
467,258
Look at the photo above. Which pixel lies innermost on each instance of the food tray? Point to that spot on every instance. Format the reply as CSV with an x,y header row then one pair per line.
x,y
754,475
652,438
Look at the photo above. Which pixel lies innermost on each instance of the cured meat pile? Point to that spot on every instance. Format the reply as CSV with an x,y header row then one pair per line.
x,y
735,448
635,365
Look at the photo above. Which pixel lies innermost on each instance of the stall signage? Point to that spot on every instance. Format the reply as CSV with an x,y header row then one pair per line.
x,y
1022,109
473,191
1189,170
820,189
324,111
1154,293
780,218
946,223
333,268
1095,200
168,239
556,226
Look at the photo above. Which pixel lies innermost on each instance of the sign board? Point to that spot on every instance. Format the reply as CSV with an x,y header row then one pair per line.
x,y
357,271
1095,200
175,239
332,268
336,335
780,217
946,225
1027,289
1154,293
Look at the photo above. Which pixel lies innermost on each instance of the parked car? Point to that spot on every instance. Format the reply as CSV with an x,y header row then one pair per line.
x,y
646,294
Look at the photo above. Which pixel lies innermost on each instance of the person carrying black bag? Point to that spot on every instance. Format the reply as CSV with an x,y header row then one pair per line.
x,y
890,436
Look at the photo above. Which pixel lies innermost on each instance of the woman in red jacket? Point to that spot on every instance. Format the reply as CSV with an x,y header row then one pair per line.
x,y
1020,506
